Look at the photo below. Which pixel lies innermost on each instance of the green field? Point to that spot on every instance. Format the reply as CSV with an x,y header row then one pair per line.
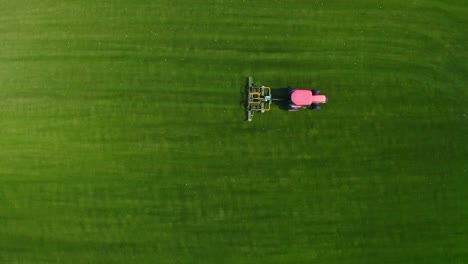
x,y
123,140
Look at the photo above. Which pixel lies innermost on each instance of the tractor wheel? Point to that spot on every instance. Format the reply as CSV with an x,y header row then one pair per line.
x,y
315,107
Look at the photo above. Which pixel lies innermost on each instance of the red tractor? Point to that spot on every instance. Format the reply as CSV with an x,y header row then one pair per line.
x,y
302,98
259,99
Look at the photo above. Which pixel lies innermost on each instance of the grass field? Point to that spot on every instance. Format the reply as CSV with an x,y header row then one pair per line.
x,y
122,137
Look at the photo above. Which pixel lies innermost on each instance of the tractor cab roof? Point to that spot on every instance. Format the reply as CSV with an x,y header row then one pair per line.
x,y
305,97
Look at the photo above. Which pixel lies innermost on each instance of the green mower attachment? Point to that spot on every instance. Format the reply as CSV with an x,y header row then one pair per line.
x,y
258,99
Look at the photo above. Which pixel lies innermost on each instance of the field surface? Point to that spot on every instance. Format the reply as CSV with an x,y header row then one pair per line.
x,y
122,137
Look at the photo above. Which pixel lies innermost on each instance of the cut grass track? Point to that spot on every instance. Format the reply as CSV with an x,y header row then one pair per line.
x,y
122,138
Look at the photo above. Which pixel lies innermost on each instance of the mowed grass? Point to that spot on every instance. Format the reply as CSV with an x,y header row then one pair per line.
x,y
122,137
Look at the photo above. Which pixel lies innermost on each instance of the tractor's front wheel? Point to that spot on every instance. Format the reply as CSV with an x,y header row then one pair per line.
x,y
315,107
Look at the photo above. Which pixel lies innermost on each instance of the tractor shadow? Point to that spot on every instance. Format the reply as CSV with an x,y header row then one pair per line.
x,y
243,92
280,98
